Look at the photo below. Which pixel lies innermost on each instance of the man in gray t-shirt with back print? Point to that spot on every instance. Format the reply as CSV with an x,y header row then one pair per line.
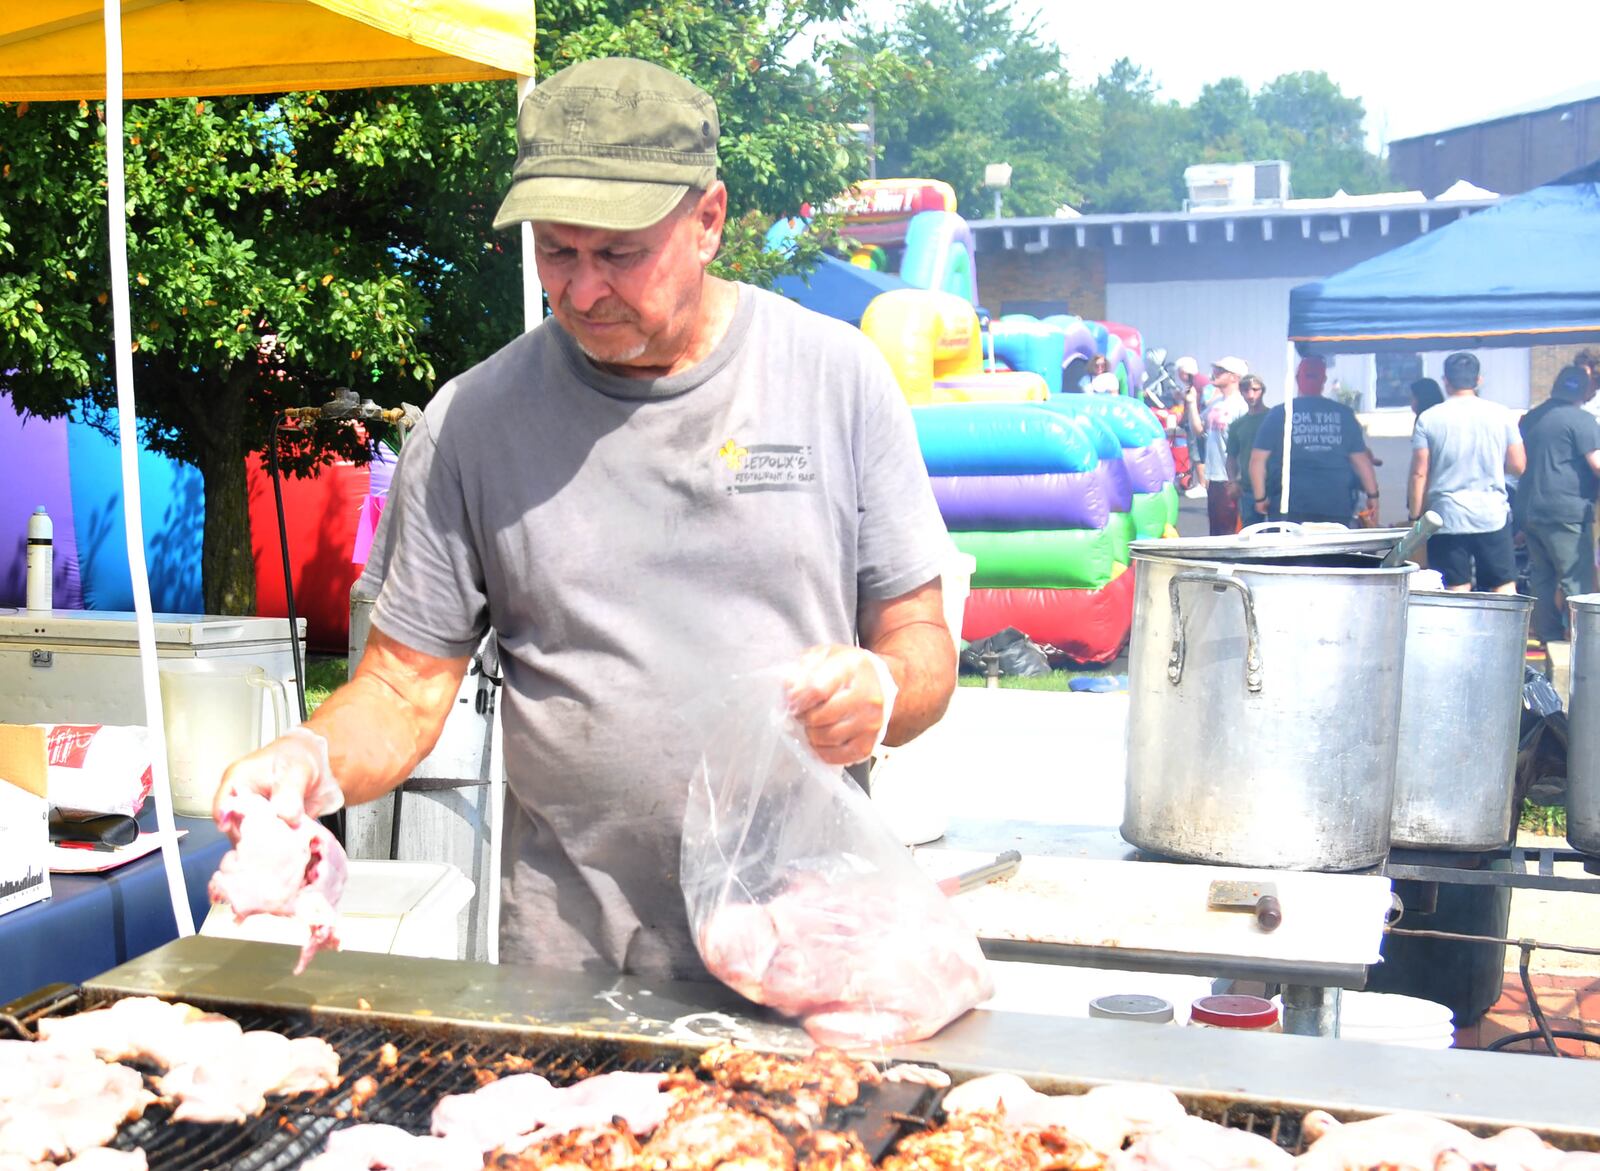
x,y
1461,451
672,480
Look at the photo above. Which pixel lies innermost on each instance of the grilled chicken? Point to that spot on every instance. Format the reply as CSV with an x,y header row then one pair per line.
x,y
828,1150
976,1139
836,1076
294,871
108,1159
1102,1120
611,1147
704,1131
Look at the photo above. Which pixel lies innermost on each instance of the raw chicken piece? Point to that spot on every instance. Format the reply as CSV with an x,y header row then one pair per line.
x,y
1143,1109
77,1103
294,871
611,1147
108,1159
143,1028
1194,1144
515,1111
1400,1142
845,957
376,1147
232,1083
1103,1119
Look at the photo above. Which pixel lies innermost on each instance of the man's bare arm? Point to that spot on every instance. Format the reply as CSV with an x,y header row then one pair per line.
x,y
1417,486
909,633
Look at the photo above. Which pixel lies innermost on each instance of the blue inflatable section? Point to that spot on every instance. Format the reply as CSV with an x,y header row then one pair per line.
x,y
172,499
1000,439
1131,422
1025,343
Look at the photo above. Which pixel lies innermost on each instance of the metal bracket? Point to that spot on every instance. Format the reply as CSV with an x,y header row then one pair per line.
x,y
43,658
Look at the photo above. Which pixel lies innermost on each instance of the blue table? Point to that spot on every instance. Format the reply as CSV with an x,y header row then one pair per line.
x,y
93,922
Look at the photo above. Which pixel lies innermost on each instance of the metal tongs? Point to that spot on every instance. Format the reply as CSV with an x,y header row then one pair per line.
x,y
1427,524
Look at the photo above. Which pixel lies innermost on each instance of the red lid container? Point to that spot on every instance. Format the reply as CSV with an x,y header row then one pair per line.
x,y
1234,1012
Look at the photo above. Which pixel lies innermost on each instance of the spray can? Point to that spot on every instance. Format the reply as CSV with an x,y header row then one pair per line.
x,y
41,560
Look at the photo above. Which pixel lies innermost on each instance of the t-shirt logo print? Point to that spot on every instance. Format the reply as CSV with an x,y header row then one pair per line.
x,y
767,467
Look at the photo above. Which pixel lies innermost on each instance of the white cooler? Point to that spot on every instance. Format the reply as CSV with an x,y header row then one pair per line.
x,y
82,666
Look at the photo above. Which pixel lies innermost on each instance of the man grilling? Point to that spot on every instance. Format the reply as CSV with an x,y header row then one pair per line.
x,y
672,480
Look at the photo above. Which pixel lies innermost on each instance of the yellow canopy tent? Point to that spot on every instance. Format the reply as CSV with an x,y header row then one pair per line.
x,y
70,49
55,49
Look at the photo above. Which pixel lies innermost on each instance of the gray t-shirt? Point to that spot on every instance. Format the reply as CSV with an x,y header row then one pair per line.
x,y
1466,438
634,543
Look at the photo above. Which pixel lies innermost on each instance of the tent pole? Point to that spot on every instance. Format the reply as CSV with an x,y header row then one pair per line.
x,y
128,437
532,292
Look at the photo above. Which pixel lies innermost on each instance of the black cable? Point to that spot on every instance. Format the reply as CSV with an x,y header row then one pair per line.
x,y
1533,1000
1509,1039
334,822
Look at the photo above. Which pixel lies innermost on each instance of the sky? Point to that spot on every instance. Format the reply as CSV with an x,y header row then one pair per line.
x,y
1418,65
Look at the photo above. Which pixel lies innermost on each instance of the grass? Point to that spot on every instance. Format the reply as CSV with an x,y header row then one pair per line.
x,y
323,674
1548,820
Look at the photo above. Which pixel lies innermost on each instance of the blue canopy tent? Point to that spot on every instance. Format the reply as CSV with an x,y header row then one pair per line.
x,y
1525,272
838,289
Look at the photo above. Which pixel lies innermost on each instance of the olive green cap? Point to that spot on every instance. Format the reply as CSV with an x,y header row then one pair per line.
x,y
612,143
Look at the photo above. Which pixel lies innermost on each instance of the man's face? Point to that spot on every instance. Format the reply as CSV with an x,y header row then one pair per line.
x,y
1252,391
1223,379
632,299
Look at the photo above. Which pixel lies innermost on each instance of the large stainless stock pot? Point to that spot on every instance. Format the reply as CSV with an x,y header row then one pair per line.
x,y
1264,686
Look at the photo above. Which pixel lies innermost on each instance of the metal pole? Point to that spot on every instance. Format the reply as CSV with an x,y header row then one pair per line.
x,y
532,291
1310,1011
997,203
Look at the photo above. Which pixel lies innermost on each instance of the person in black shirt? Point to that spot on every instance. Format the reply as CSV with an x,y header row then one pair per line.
x,y
1327,449
1555,499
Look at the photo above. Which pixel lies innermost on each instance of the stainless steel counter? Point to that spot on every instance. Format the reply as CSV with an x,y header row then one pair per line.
x,y
1057,1054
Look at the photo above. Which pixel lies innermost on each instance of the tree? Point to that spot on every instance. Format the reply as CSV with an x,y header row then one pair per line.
x,y
1144,144
1319,131
284,245
980,86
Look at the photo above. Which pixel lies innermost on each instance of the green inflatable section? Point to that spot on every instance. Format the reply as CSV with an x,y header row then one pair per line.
x,y
1152,512
1170,492
1041,558
1124,529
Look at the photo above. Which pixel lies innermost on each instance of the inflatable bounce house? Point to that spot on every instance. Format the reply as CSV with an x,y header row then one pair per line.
x,y
73,468
1043,486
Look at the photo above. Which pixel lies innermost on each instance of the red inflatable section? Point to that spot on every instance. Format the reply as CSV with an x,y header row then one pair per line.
x,y
1090,626
322,515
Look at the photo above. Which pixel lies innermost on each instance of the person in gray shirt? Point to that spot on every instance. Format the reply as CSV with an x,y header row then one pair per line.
x,y
1461,453
673,480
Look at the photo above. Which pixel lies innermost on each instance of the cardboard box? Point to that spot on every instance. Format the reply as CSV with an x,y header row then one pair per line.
x,y
24,817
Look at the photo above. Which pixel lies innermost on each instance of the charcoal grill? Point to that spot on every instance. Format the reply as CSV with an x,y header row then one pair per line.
x,y
431,1061
454,1022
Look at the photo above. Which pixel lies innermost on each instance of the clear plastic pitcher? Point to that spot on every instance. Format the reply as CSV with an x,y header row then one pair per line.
x,y
214,712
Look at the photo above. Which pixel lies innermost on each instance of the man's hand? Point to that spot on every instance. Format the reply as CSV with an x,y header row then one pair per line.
x,y
292,773
837,694
1233,489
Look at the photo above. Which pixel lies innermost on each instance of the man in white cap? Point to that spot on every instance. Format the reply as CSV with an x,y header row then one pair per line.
x,y
673,480
1222,495
1196,398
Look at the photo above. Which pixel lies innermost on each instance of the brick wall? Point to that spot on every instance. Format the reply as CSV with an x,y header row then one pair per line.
x,y
1544,363
1075,275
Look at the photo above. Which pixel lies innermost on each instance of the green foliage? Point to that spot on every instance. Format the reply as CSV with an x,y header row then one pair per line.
x,y
978,85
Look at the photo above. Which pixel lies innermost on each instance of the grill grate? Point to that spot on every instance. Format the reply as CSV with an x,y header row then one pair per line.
x,y
430,1064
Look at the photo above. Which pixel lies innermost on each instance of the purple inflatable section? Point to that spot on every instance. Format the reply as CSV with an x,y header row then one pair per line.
x,y
33,456
1055,500
1147,471
1119,485
1164,450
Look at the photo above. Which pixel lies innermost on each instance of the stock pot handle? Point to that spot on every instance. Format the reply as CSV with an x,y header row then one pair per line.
x,y
1252,651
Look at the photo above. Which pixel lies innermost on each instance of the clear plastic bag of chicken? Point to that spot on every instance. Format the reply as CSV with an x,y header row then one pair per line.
x,y
801,898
